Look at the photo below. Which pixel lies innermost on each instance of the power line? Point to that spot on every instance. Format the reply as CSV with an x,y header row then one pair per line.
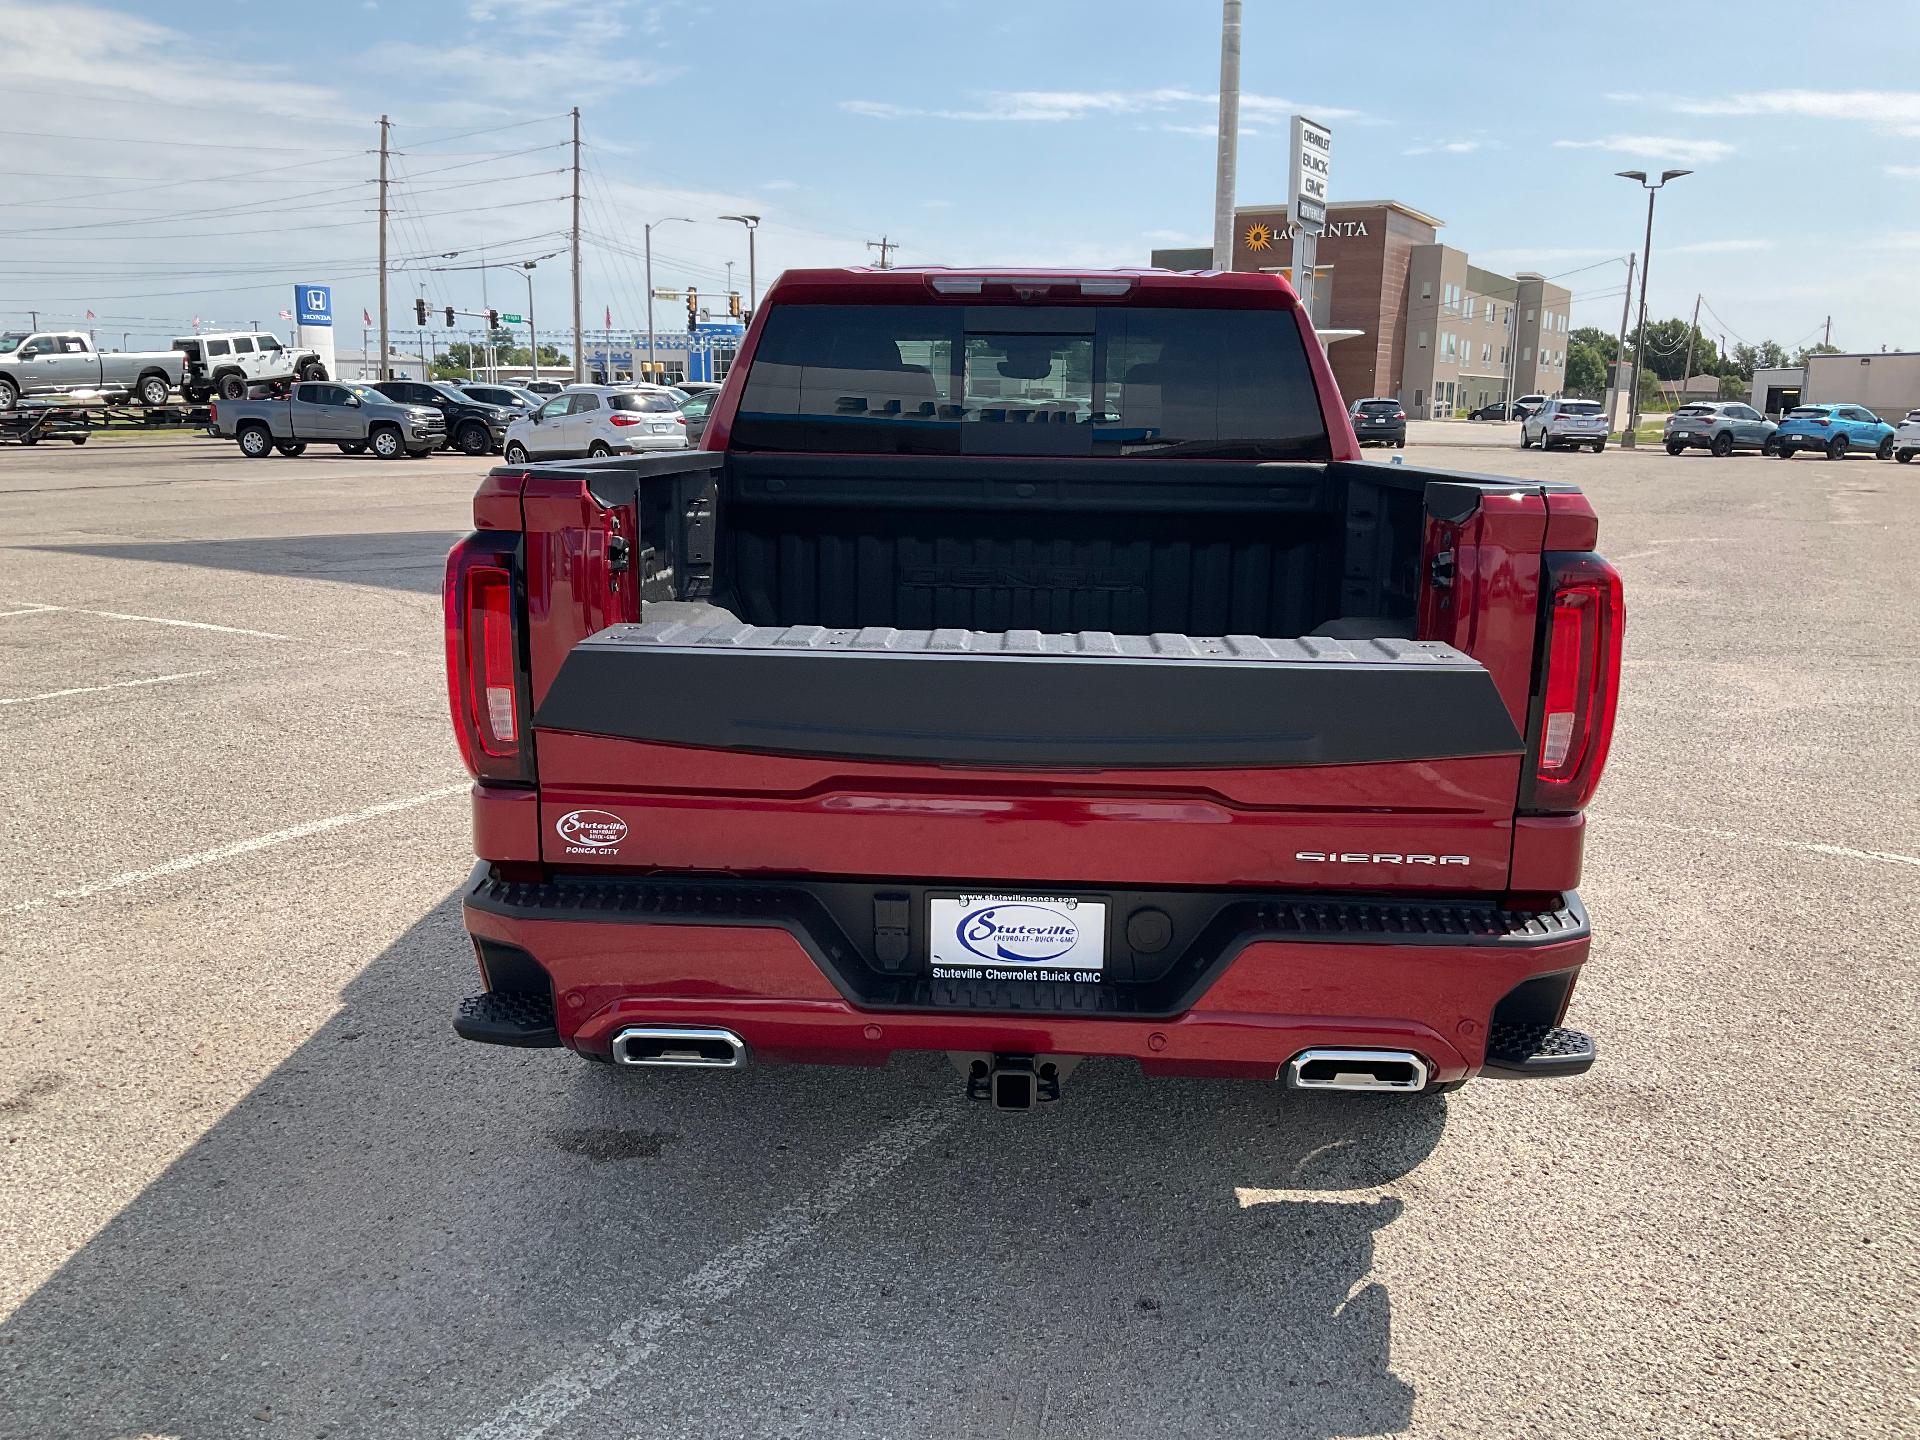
x,y
489,130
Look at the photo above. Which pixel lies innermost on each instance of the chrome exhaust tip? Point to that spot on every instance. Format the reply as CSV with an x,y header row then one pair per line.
x,y
698,1048
1400,1071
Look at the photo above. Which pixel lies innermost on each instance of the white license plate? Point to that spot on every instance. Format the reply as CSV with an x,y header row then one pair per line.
x,y
1016,937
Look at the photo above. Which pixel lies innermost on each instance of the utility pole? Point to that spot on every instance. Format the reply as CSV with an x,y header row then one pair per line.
x,y
886,247
1827,338
1620,345
1629,437
579,350
380,368
1693,334
36,318
1229,155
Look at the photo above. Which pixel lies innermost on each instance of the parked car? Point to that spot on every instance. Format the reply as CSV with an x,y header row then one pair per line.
x,y
230,364
1496,411
510,397
694,409
596,420
473,426
47,362
1565,424
1906,439
544,387
1526,405
1719,427
1380,421
1835,430
352,416
881,729
697,387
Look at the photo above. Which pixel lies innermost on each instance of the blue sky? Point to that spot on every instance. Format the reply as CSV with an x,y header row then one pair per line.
x,y
198,159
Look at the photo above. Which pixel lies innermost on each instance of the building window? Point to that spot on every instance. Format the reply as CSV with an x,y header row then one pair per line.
x,y
1426,289
1526,353
1423,340
1486,356
1489,312
1529,316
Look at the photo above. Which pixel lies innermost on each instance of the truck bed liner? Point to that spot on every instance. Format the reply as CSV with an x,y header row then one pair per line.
x,y
1017,698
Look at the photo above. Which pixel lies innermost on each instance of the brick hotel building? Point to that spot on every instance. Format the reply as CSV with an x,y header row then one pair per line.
x,y
1429,327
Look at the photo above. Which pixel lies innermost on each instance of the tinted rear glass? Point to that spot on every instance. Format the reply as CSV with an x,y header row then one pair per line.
x,y
1579,407
1694,410
1807,412
1381,407
640,402
1032,380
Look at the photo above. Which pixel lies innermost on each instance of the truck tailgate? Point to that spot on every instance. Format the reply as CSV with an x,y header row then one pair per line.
x,y
1093,757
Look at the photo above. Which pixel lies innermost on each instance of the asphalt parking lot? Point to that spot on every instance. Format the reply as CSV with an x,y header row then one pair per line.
x,y
253,1184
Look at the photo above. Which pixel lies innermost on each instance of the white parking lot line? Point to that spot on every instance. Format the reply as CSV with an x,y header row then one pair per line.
x,y
230,851
34,606
637,1339
1812,847
92,689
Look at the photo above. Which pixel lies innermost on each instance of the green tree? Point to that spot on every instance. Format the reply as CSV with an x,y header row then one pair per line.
x,y
1586,367
1667,350
1800,357
461,360
1732,387
1606,346
1767,355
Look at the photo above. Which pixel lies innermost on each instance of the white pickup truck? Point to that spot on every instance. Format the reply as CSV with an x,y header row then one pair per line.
x,y
59,361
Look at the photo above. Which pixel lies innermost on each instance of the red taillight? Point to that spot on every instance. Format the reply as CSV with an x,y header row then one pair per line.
x,y
679,419
1823,422
486,685
213,411
1399,414
624,420
1582,624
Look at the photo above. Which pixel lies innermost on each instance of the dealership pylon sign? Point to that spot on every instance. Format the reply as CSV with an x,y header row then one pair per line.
x,y
1307,180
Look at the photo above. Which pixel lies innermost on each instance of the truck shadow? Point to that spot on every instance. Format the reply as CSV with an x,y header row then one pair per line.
x,y
396,559
397,1233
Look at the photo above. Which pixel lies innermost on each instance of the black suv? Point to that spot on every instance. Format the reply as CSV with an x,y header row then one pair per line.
x,y
473,427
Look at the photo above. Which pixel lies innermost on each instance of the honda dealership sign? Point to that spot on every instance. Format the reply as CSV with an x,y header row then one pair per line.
x,y
1307,180
313,311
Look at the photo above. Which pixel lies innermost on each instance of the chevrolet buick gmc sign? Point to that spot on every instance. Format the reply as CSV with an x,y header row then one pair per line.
x,y
313,304
1307,180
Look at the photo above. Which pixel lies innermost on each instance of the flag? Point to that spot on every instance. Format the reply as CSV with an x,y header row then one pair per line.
x,y
286,314
89,315
196,322
365,318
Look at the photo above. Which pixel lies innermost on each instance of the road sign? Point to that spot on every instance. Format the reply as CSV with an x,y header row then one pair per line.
x,y
1308,175
512,319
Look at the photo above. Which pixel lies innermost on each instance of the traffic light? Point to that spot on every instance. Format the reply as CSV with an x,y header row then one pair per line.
x,y
733,303
493,319
420,313
449,317
693,310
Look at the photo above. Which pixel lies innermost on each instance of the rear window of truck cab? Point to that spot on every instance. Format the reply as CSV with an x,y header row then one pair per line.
x,y
1032,380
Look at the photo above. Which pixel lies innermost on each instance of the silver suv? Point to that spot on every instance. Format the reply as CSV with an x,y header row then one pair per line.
x,y
1565,423
1719,427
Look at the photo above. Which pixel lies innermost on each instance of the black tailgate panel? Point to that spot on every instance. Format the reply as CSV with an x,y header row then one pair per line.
x,y
1023,698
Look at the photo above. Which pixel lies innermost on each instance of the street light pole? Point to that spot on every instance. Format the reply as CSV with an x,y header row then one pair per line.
x,y
1629,439
648,279
752,222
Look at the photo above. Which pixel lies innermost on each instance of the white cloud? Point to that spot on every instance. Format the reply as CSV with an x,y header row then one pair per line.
x,y
781,185
1903,172
937,204
1445,147
1052,106
1720,247
1679,150
1895,109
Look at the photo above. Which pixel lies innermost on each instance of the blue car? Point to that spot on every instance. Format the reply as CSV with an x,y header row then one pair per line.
x,y
1835,430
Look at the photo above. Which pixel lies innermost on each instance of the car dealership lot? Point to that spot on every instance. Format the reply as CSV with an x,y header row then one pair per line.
x,y
254,1185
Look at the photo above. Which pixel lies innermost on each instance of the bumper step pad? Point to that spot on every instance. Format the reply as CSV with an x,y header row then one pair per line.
x,y
1516,1051
507,1018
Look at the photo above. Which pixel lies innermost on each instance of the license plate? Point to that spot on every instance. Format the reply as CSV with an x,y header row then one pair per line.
x,y
1016,937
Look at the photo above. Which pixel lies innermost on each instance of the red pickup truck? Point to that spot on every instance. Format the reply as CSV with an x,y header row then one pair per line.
x,y
1028,669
